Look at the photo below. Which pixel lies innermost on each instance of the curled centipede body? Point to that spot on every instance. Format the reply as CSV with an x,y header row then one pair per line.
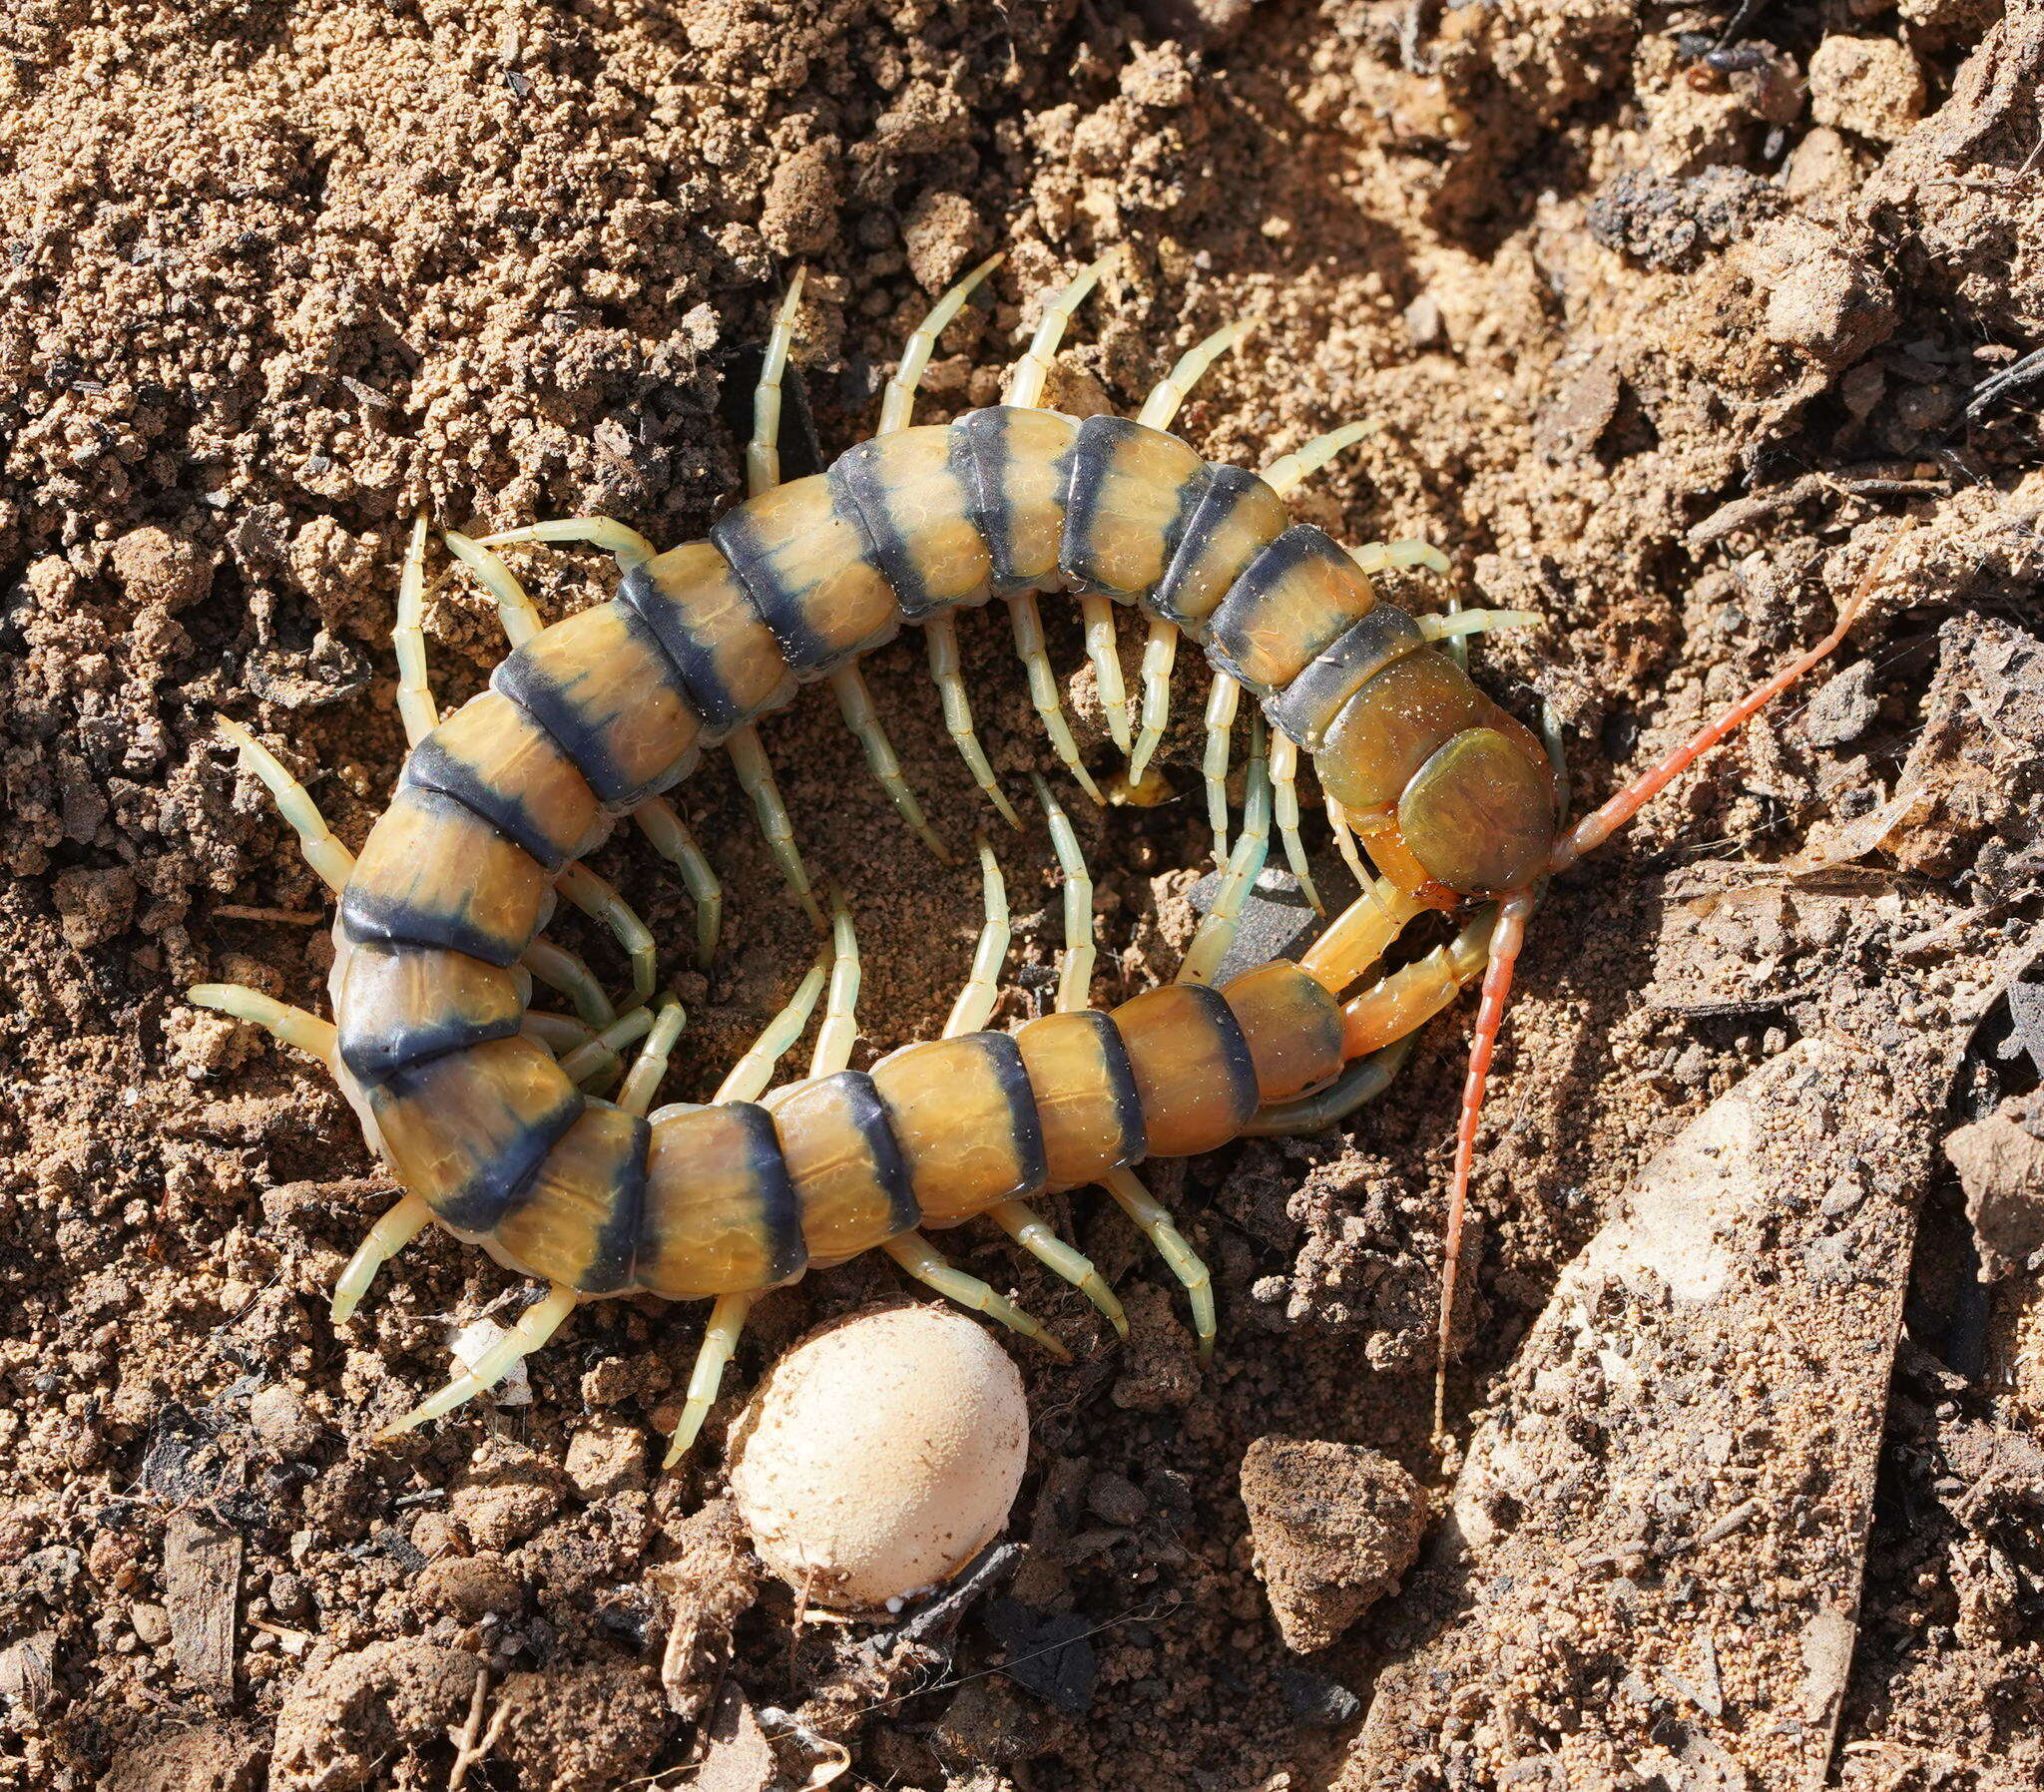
x,y
475,1100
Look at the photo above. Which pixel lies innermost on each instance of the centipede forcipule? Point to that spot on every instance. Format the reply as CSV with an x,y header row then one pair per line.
x,y
474,1101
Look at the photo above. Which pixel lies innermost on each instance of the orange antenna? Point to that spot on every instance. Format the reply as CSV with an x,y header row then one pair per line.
x,y
1517,906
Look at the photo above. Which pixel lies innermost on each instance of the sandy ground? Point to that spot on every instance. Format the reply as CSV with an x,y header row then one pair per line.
x,y
1672,324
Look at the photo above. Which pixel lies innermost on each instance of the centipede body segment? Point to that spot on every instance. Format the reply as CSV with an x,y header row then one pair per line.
x,y
477,1104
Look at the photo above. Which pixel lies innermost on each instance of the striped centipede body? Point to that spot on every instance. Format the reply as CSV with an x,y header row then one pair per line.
x,y
475,1100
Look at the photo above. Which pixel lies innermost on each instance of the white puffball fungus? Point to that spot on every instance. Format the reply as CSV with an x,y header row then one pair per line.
x,y
882,1456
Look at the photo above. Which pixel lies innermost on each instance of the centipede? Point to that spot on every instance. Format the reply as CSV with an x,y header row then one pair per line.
x,y
482,1106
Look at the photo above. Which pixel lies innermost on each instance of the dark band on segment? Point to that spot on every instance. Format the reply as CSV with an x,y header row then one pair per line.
x,y
435,873
858,489
1120,536
467,1133
951,1101
1237,515
726,660
613,1260
1193,1067
780,1214
1306,709
433,767
605,689
1292,1027
1121,1076
801,553
1019,462
577,1222
1025,1129
1288,608
401,1005
869,1113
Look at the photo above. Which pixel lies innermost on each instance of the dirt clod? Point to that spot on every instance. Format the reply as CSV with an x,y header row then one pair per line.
x,y
1334,1526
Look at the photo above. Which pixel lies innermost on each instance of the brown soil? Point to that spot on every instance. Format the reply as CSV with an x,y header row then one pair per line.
x,y
1663,350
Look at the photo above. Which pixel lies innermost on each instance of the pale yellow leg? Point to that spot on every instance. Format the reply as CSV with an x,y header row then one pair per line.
x,y
763,452
559,1033
1345,839
916,1255
898,405
1025,384
720,1341
1285,794
1289,472
415,705
1221,703
975,1004
940,635
327,857
389,1235
1217,927
669,836
564,973
627,545
1028,1229
1043,688
598,898
1159,653
1075,963
534,1327
593,1061
1156,1222
1104,650
756,774
856,702
1374,556
1170,392
303,1032
840,1031
749,1077
1362,932
516,612
651,1064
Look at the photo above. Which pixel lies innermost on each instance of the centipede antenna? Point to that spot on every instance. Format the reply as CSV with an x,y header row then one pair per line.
x,y
1376,556
1104,650
898,405
595,1060
756,775
1170,392
840,1031
1043,689
720,1342
940,635
1505,941
748,1077
920,1259
651,1064
1219,926
534,1327
292,1027
1153,1219
1601,823
1456,621
856,703
975,1004
1345,840
1160,653
598,898
669,836
1358,1086
328,858
515,610
763,452
415,705
1289,472
389,1235
627,545
1075,963
1029,1229
1025,384
1284,792
1221,702
565,974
